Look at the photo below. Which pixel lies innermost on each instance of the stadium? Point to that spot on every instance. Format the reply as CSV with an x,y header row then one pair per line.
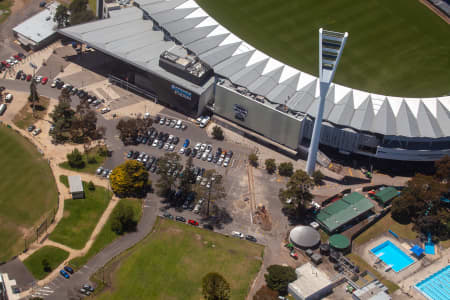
x,y
173,52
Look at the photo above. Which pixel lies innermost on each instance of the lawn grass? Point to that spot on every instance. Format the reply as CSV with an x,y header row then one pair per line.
x,y
81,217
28,190
5,6
54,255
64,180
88,167
382,226
25,116
171,262
365,266
106,235
392,45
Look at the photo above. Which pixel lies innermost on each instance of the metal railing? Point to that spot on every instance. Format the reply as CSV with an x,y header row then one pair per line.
x,y
131,87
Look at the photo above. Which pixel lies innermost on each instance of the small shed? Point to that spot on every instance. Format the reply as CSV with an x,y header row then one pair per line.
x,y
76,187
316,258
385,196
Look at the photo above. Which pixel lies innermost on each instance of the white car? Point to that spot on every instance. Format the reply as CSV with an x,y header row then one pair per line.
x,y
99,171
178,125
171,147
8,97
203,147
36,131
38,79
197,146
182,150
166,146
226,162
205,156
105,110
220,161
237,234
155,143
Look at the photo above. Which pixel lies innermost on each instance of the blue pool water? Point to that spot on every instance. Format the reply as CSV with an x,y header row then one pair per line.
x,y
436,286
392,255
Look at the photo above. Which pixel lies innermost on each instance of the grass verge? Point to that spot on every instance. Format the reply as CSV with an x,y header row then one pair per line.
x,y
81,217
5,7
106,235
171,262
25,117
64,180
365,266
89,166
55,256
28,190
383,225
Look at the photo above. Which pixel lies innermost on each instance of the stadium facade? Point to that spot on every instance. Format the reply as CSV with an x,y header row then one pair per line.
x,y
175,53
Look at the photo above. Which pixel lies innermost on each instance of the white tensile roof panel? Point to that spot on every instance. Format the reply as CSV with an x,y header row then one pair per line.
x,y
238,60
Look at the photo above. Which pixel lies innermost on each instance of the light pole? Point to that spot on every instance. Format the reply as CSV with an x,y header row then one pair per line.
x,y
209,194
331,46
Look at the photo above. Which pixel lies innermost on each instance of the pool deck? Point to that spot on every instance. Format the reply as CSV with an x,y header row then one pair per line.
x,y
409,276
370,258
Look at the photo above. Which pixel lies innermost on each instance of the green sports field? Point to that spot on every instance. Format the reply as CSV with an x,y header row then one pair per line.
x,y
397,48
171,262
28,190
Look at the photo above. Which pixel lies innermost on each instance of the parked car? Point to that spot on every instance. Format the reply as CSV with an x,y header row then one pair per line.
x,y
237,234
68,269
99,170
193,222
180,219
250,238
136,154
44,80
186,143
28,77
162,121
31,128
36,131
182,150
178,124
64,274
168,216
188,151
130,154
88,288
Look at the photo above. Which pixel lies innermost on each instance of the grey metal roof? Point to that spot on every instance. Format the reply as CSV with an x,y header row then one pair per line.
x,y
279,83
304,236
127,36
75,184
40,26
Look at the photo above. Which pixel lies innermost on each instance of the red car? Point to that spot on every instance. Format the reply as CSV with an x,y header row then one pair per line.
x,y
44,80
193,222
17,57
28,77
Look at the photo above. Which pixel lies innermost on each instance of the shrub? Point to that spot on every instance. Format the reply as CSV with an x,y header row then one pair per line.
x,y
318,177
271,166
91,186
75,159
286,169
218,133
253,159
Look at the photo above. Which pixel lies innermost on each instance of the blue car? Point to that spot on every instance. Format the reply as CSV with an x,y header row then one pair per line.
x,y
64,274
186,143
68,269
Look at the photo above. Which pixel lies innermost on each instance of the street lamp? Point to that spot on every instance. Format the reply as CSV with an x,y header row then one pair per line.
x,y
331,46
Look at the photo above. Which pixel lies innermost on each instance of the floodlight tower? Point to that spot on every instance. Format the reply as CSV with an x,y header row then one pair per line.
x,y
331,46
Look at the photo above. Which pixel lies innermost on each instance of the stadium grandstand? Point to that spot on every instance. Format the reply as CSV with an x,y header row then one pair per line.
x,y
255,92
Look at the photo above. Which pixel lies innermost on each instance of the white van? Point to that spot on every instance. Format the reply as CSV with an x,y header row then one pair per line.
x,y
8,97
204,122
178,125
2,108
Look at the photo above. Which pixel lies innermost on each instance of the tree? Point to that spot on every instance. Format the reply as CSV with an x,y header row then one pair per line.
x,y
166,183
46,265
188,177
286,169
131,128
91,186
297,190
443,169
279,277
61,16
123,219
34,96
79,12
130,179
215,287
318,177
253,159
420,203
271,166
218,133
75,159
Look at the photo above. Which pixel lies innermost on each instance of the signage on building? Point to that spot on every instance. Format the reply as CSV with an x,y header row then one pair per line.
x,y
240,112
180,92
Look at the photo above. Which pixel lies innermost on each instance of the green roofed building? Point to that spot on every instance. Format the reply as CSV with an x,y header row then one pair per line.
x,y
344,211
386,195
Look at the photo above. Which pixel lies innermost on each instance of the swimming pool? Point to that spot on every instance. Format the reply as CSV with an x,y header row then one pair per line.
x,y
392,256
436,286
